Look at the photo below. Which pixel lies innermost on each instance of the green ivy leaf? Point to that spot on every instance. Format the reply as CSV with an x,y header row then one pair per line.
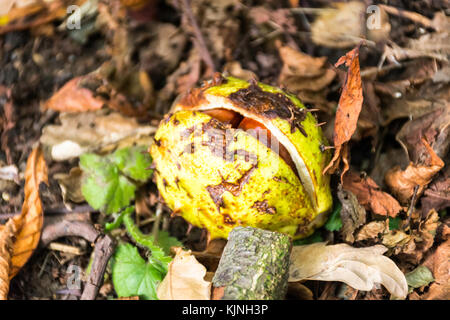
x,y
334,223
104,188
421,276
133,276
133,162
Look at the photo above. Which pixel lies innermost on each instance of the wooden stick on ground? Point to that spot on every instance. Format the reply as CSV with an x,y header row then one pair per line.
x,y
104,248
254,266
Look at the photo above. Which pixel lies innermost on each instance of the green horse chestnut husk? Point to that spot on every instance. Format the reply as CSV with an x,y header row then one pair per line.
x,y
243,153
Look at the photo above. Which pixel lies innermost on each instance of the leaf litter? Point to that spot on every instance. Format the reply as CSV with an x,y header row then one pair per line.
x,y
117,77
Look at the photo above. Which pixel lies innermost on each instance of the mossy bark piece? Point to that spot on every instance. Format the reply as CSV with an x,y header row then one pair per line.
x,y
254,265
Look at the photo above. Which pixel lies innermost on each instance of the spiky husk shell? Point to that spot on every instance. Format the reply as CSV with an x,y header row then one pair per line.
x,y
248,183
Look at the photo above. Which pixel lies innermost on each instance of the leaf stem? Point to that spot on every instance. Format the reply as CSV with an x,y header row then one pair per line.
x,y
116,223
158,215
144,240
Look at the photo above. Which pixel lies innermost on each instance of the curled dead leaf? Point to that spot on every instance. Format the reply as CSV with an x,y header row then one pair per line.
x,y
184,279
370,196
371,230
70,185
7,233
395,238
21,234
350,104
306,76
435,126
432,45
29,222
413,246
360,268
403,182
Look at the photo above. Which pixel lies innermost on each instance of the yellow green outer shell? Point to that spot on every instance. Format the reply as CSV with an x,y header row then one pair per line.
x,y
307,147
259,190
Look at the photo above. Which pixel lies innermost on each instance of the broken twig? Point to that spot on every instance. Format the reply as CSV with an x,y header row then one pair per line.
x,y
104,248
254,265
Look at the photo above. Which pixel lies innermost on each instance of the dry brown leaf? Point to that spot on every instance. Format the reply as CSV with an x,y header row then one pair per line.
x,y
29,222
439,264
371,230
20,236
412,247
403,182
278,19
347,114
234,69
213,18
341,27
437,195
128,91
346,24
184,78
7,233
306,76
445,232
187,81
299,64
70,185
427,230
395,238
414,107
93,131
73,98
434,126
387,160
184,279
433,45
370,196
34,14
166,48
360,268
399,101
